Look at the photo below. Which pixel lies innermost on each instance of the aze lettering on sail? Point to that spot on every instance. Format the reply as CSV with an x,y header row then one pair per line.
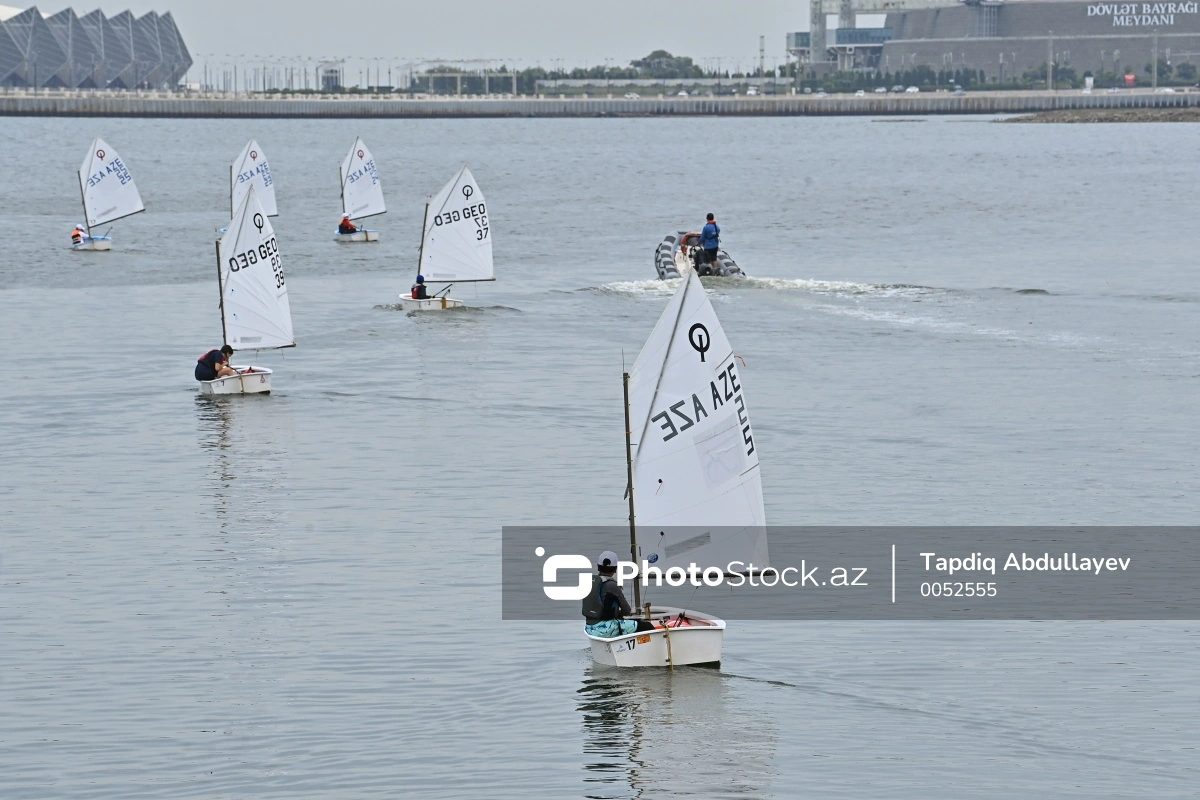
x,y
362,192
109,192
251,168
697,487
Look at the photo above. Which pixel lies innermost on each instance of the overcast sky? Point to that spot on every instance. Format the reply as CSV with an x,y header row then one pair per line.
x,y
524,32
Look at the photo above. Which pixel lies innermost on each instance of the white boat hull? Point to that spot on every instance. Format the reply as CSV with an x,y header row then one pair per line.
x,y
432,304
253,380
94,243
358,236
697,640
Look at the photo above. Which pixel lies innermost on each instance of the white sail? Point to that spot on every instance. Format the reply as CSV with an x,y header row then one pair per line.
x,y
109,192
457,244
251,169
695,462
254,299
362,193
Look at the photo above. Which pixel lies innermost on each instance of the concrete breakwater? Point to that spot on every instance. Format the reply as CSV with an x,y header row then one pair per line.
x,y
163,104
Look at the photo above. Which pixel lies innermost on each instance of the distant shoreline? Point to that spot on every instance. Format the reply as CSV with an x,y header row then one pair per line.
x,y
1191,114
198,105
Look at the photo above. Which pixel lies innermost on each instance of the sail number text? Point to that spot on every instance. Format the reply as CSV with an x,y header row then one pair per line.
x,y
117,167
267,252
690,411
477,213
262,169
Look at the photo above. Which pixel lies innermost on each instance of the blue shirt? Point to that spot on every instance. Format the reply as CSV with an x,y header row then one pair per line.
x,y
710,237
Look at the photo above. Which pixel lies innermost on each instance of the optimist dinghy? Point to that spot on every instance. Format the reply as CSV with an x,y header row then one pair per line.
x,y
250,169
456,242
706,479
362,193
255,314
680,253
108,193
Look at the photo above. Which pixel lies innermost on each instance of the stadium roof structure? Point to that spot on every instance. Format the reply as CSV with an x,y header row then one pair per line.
x,y
66,50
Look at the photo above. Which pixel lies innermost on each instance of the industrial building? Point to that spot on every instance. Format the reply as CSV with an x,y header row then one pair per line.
x,y
65,50
1001,38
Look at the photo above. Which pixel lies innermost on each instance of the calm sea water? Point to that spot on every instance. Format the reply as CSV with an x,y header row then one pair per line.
x,y
950,322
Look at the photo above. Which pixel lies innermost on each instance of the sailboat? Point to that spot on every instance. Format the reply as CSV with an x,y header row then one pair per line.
x,y
108,193
255,314
362,193
456,242
693,471
250,168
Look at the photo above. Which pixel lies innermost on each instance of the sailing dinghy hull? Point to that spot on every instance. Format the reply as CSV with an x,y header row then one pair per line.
x,y
695,640
253,380
94,243
358,236
432,304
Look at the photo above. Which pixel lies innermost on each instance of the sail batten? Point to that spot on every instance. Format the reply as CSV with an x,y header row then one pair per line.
x,y
362,192
456,244
250,168
696,476
254,297
107,187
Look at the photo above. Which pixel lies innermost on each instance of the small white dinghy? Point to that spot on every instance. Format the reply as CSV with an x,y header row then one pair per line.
x,y
108,193
255,314
456,242
699,492
362,193
250,169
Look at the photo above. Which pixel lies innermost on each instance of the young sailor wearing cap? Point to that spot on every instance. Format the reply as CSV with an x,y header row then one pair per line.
x,y
605,608
346,226
419,292
79,235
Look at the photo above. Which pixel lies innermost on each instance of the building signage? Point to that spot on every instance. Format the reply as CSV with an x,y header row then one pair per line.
x,y
1134,15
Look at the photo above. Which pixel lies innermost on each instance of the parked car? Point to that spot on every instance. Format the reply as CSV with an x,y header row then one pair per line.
x,y
753,90
880,90
821,93
958,90
860,93
897,88
911,90
632,96
1166,90
682,93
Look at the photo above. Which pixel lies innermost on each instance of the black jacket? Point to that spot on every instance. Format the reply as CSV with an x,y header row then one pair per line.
x,y
605,601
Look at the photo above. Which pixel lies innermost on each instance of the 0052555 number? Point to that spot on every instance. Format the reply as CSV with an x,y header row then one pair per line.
x,y
949,589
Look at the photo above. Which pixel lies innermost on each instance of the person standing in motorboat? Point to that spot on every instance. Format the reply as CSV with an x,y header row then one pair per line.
x,y
79,235
419,292
215,364
346,226
710,240
605,608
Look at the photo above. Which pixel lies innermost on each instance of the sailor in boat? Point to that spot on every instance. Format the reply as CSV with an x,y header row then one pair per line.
x,y
605,608
710,240
419,292
79,235
346,226
215,364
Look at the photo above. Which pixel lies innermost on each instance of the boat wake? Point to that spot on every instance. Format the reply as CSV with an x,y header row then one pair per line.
x,y
663,288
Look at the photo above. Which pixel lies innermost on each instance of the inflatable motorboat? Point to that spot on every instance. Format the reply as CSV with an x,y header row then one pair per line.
x,y
680,253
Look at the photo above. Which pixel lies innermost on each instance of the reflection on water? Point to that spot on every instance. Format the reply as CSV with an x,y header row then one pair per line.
x,y
653,733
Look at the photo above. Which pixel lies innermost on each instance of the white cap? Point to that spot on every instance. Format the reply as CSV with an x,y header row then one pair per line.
x,y
607,559
80,228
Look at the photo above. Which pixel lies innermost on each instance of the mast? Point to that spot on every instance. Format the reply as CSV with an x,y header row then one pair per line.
x,y
633,547
83,199
232,210
221,292
421,252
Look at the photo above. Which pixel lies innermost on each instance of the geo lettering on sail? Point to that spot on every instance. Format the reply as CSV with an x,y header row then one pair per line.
x,y
694,410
